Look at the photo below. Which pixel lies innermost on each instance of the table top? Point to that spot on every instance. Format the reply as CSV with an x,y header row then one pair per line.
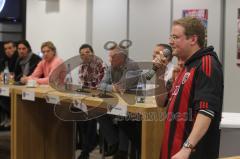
x,y
234,157
128,100
230,120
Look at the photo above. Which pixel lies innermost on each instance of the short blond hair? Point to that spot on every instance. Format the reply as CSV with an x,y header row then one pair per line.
x,y
50,45
192,26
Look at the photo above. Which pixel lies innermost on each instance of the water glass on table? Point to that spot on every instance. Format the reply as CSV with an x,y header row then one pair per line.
x,y
11,78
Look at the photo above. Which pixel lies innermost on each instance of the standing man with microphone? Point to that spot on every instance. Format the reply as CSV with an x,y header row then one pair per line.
x,y
195,103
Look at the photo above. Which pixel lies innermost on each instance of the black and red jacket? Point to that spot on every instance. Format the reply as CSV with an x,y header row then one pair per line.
x,y
198,89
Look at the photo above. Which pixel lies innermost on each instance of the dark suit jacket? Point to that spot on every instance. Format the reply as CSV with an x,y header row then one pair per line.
x,y
11,62
34,60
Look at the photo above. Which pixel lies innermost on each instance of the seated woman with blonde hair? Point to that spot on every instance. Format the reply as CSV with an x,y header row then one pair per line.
x,y
46,66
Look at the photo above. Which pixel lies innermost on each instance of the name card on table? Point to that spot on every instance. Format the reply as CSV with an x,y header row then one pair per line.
x,y
4,91
51,99
119,110
27,95
78,104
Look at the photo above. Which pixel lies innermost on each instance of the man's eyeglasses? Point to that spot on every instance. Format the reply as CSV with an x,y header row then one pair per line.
x,y
173,37
124,44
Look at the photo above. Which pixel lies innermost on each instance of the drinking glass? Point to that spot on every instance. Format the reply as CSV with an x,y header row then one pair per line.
x,y
11,78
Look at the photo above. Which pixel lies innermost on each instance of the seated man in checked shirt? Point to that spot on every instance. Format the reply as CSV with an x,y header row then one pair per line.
x,y
91,72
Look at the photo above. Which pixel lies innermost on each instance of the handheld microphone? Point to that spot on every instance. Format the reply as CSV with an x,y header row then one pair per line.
x,y
167,53
149,75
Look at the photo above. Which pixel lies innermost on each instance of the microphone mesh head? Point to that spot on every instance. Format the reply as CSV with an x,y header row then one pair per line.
x,y
167,53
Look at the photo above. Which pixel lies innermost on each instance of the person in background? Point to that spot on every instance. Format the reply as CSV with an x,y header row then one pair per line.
x,y
197,92
91,72
114,80
10,56
115,76
177,69
168,66
163,53
26,62
46,66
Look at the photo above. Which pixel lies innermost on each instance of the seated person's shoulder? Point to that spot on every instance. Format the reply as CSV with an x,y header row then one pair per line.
x,y
35,57
132,64
97,60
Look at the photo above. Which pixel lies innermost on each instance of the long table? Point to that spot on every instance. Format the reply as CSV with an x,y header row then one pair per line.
x,y
37,133
234,157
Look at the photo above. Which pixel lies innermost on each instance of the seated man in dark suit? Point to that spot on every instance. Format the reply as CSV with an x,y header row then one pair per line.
x,y
9,58
27,61
25,65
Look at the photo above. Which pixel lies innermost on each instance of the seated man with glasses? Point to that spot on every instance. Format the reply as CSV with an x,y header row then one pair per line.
x,y
117,134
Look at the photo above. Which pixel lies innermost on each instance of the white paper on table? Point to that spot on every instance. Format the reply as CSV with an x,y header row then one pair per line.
x,y
52,99
4,91
78,104
119,110
27,95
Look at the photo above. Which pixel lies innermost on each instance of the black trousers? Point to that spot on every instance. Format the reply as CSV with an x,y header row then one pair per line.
x,y
133,131
5,105
87,134
113,132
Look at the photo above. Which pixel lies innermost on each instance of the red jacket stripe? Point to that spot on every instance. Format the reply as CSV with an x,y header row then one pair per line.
x,y
210,65
203,64
164,149
183,109
207,65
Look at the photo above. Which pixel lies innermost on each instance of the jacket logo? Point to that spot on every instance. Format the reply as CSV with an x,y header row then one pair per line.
x,y
176,90
185,77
